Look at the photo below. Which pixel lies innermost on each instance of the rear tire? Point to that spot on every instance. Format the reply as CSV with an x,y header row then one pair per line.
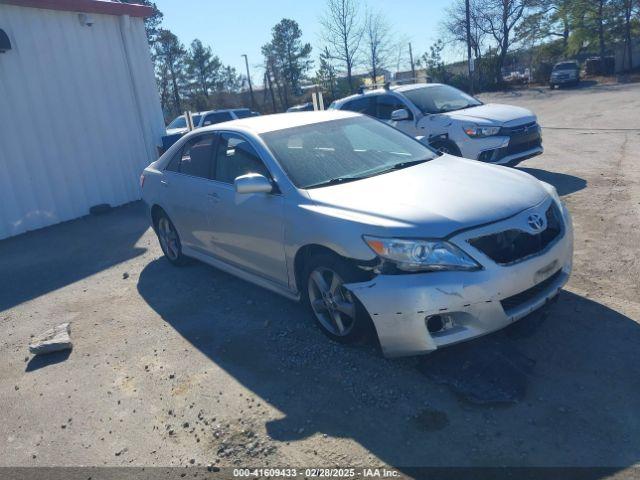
x,y
335,309
169,240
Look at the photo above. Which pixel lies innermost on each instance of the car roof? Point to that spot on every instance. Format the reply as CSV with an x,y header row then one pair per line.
x,y
223,110
392,88
280,121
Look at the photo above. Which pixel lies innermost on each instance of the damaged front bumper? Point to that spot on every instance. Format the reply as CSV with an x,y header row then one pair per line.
x,y
468,304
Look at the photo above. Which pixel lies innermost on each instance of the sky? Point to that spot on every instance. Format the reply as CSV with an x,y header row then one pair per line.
x,y
232,28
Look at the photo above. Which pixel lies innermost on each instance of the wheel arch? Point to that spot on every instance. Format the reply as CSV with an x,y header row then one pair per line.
x,y
304,253
437,142
156,210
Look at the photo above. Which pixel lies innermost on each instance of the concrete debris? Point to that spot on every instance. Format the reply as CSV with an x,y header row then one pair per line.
x,y
53,340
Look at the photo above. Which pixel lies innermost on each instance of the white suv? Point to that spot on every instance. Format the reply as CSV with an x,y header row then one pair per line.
x,y
451,121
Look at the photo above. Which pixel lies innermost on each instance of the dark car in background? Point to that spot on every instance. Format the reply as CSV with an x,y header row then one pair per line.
x,y
565,73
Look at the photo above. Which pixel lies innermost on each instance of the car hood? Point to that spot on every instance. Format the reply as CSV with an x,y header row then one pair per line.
x,y
433,199
494,113
175,131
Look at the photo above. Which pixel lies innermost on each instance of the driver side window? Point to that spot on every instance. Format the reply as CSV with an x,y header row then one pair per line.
x,y
386,104
236,157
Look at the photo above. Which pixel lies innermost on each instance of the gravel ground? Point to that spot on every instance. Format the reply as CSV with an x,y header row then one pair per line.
x,y
193,367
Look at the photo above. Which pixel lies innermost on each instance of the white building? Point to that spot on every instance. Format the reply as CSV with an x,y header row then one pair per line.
x,y
80,115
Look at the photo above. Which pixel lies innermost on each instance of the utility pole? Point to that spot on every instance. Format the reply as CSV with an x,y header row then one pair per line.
x,y
246,62
470,65
413,68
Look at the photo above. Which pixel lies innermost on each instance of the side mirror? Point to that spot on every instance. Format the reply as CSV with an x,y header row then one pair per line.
x,y
401,114
252,183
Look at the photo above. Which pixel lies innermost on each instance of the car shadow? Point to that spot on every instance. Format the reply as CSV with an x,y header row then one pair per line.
x,y
564,183
572,369
44,260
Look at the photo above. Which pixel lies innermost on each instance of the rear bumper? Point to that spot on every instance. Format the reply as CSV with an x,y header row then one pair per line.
x,y
470,304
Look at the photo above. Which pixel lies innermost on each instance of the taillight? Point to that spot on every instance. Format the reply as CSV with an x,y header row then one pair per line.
x,y
142,180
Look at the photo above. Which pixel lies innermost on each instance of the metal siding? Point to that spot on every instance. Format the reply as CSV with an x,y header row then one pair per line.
x,y
76,125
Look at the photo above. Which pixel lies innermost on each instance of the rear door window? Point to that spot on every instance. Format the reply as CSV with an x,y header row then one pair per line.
x,y
197,155
242,113
216,117
365,104
386,104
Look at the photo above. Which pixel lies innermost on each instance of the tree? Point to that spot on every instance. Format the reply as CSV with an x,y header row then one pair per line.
x,y
455,25
288,56
274,74
498,18
342,32
376,34
202,68
326,74
169,55
624,11
547,19
432,61
230,81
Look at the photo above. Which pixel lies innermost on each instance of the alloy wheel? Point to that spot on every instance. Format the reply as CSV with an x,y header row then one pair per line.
x,y
168,238
332,304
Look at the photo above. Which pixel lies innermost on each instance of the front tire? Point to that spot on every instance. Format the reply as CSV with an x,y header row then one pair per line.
x,y
169,240
335,309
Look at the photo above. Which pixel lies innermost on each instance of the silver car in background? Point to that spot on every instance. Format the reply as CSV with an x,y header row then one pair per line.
x,y
370,228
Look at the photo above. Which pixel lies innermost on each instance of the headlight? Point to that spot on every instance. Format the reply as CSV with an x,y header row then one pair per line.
x,y
476,131
421,255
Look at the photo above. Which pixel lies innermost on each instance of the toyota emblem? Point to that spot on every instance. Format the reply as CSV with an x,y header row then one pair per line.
x,y
536,222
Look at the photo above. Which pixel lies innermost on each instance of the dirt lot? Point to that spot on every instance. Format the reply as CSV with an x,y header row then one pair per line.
x,y
180,366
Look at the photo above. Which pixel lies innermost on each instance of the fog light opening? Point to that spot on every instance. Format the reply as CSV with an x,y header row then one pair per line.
x,y
435,323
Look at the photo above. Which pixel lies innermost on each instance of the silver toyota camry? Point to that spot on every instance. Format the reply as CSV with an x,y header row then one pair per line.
x,y
371,229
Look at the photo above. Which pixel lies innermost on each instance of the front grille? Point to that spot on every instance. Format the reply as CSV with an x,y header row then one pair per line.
x,y
512,246
518,129
523,146
521,139
515,301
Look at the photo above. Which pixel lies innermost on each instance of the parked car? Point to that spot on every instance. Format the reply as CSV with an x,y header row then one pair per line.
x,y
305,107
179,124
178,127
565,73
451,121
364,224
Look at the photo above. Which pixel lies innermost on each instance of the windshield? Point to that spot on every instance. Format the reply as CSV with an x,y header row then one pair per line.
x,y
440,99
566,66
179,122
343,150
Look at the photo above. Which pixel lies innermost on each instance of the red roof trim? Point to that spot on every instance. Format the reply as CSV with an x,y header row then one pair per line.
x,y
87,6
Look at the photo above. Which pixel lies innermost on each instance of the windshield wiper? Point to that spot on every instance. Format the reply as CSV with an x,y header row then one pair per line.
x,y
410,163
333,181
395,166
400,166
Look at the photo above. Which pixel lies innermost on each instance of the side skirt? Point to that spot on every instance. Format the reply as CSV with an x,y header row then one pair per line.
x,y
240,273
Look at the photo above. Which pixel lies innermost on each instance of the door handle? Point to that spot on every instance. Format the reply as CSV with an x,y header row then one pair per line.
x,y
164,183
213,196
